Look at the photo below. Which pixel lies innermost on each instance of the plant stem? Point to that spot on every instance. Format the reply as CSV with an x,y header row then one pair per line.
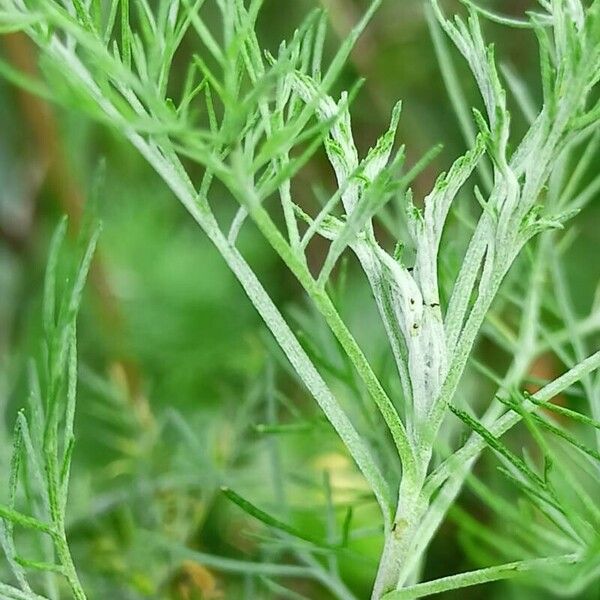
x,y
173,174
398,540
341,332
451,475
478,577
66,560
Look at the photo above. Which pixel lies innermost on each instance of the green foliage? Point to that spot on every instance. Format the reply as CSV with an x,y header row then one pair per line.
x,y
252,120
44,440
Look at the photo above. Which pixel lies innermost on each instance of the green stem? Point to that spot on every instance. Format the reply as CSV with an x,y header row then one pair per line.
x,y
454,582
66,560
341,332
173,174
398,541
13,516
60,538
475,444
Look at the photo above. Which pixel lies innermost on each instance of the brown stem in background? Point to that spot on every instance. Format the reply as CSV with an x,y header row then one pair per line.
x,y
42,125
545,368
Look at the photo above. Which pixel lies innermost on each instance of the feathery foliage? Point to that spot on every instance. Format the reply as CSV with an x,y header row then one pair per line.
x,y
251,120
44,439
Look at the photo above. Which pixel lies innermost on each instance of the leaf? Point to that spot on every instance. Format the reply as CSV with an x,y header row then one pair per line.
x,y
18,518
273,522
49,303
554,429
495,444
565,412
346,526
481,576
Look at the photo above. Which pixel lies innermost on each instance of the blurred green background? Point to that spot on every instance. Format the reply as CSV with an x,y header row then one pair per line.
x,y
176,364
